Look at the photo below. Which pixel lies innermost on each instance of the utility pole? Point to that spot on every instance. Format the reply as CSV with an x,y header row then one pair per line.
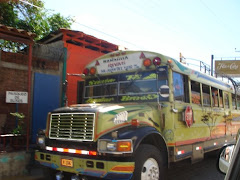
x,y
212,57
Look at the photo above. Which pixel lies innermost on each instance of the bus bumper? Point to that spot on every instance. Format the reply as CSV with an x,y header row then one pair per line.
x,y
86,167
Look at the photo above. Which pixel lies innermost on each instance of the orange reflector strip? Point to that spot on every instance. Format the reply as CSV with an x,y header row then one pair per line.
x,y
74,151
78,151
123,146
123,168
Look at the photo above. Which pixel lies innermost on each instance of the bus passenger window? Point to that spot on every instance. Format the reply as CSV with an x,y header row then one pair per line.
x,y
195,91
178,86
226,100
233,101
238,102
221,98
214,97
206,95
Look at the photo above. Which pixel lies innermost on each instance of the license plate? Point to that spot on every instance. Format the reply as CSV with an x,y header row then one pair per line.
x,y
67,162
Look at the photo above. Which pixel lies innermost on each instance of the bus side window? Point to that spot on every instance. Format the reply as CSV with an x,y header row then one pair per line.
x,y
195,91
233,101
220,98
214,97
238,102
180,87
206,95
226,100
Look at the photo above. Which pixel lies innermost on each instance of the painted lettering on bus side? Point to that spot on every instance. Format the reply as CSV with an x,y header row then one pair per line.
x,y
106,100
139,98
134,77
104,81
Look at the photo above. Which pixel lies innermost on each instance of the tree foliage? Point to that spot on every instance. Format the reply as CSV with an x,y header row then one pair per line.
x,y
31,16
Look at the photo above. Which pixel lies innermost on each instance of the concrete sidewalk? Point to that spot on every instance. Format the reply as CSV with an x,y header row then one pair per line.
x,y
26,177
35,172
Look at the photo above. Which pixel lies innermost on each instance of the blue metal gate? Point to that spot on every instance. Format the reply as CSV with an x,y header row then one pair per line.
x,y
46,97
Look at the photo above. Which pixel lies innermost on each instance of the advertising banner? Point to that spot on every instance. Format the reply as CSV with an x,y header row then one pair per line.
x,y
230,68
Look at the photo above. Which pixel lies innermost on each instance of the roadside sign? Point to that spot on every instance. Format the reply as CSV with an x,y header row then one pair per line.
x,y
16,97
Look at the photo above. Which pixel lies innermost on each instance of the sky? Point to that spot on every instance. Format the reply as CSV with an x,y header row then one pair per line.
x,y
195,28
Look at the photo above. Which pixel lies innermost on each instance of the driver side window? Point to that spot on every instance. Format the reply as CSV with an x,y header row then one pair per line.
x,y
180,87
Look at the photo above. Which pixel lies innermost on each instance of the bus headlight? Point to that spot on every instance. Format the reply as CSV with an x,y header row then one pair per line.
x,y
115,146
41,139
111,146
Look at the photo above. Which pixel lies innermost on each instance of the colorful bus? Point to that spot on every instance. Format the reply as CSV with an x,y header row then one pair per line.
x,y
140,111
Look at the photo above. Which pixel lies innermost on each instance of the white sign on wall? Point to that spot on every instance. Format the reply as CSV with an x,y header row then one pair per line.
x,y
16,97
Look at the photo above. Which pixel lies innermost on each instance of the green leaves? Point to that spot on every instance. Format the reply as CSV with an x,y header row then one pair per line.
x,y
31,17
57,21
18,115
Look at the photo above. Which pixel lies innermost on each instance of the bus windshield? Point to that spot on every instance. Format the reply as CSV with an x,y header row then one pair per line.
x,y
127,87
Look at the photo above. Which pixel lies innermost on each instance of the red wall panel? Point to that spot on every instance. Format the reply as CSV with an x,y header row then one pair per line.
x,y
78,58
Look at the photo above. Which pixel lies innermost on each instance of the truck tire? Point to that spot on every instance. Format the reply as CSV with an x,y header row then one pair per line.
x,y
149,164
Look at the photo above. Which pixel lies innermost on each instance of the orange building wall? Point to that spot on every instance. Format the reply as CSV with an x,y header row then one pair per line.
x,y
78,58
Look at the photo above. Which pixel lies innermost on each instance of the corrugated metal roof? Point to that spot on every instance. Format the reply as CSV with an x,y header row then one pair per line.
x,y
16,32
77,35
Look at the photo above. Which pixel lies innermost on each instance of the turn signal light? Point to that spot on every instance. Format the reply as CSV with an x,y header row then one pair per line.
x,y
92,70
147,62
124,146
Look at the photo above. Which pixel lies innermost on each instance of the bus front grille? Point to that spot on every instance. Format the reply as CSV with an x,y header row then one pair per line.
x,y
72,126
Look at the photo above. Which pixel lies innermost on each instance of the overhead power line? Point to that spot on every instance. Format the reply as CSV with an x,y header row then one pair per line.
x,y
26,2
94,29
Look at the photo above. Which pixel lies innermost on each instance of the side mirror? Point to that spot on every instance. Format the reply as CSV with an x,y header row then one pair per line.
x,y
224,158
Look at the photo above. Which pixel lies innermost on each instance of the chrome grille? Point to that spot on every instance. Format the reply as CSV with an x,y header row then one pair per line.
x,y
72,126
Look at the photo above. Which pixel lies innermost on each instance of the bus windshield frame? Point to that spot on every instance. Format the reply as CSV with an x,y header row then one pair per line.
x,y
126,87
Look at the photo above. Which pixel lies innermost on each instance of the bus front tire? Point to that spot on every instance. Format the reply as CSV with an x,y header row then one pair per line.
x,y
149,164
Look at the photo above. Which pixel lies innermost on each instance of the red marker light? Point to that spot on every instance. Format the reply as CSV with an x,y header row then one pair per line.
x,y
93,153
156,61
86,71
135,122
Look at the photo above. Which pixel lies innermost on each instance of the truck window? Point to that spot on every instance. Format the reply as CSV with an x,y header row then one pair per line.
x,y
180,89
138,87
233,101
238,102
214,97
226,100
106,90
220,98
206,95
195,90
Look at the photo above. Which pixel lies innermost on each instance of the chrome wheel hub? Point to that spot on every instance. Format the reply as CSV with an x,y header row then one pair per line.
x,y
150,170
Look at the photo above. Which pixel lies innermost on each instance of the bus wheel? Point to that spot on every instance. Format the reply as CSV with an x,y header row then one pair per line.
x,y
149,164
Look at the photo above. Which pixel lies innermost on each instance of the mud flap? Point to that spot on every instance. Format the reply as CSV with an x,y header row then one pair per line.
x,y
198,152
